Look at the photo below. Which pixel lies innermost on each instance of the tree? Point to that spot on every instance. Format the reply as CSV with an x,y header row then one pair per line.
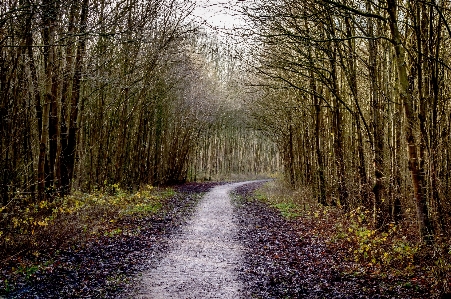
x,y
343,50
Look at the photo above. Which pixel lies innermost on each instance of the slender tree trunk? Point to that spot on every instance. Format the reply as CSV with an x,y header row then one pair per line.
x,y
434,139
35,92
290,153
53,130
47,37
319,154
4,142
338,134
406,97
69,152
378,130
60,165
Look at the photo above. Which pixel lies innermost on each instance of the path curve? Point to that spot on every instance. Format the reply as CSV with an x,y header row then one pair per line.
x,y
203,258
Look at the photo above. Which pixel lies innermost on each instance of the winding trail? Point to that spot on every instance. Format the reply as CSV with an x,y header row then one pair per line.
x,y
204,257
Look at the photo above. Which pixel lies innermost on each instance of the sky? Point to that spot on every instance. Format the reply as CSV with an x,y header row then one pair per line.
x,y
219,13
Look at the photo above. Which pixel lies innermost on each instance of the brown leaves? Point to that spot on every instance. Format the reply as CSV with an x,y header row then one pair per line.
x,y
103,264
298,259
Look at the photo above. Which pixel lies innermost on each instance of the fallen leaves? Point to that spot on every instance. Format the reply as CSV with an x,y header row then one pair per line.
x,y
106,262
291,258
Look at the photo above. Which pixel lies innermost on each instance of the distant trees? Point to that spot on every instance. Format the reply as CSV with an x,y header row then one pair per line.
x,y
101,92
231,148
352,84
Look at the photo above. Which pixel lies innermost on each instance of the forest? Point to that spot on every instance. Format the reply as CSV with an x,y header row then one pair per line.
x,y
356,95
346,102
95,93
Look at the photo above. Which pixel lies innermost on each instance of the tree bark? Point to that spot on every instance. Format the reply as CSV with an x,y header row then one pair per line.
x,y
61,172
406,97
378,129
49,16
69,151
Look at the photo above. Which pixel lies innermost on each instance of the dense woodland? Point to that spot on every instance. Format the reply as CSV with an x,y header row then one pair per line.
x,y
349,98
95,93
356,95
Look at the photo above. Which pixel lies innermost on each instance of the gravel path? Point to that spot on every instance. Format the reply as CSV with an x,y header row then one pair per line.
x,y
204,256
205,248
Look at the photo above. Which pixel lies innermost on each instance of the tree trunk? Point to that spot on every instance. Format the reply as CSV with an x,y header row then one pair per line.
x,y
319,154
378,130
406,97
69,151
290,152
47,38
61,172
338,135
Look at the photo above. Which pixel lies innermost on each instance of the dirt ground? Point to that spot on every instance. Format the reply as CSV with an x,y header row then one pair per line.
x,y
283,260
219,247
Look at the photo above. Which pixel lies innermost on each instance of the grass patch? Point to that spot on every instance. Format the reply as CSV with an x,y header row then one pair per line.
x,y
290,203
287,209
30,229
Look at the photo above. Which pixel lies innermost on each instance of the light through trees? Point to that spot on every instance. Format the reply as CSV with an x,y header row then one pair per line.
x,y
351,97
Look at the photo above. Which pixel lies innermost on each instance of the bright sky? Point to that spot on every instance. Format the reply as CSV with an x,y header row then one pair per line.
x,y
219,13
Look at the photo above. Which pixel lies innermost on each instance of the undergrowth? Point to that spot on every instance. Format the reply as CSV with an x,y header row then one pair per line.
x,y
391,254
30,229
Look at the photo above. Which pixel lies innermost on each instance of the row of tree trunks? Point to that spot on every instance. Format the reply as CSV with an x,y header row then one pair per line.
x,y
94,93
375,75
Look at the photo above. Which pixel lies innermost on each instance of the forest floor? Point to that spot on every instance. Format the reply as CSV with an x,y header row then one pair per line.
x,y
107,263
295,258
279,257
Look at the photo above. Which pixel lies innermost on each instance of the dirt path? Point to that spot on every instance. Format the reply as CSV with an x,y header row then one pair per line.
x,y
204,256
